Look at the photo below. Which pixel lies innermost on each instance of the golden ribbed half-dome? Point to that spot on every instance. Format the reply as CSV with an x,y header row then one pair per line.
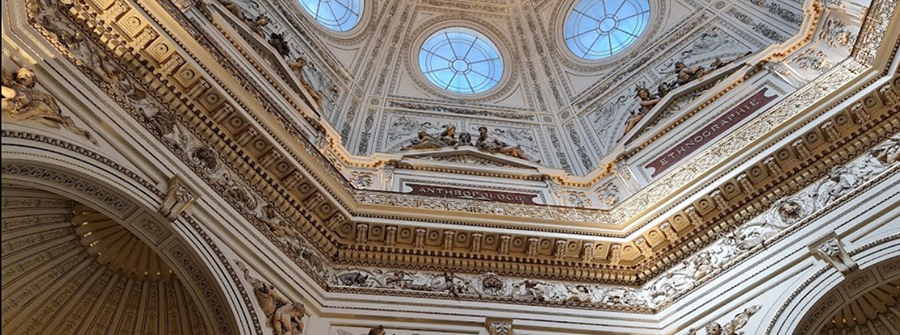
x,y
117,248
871,313
54,285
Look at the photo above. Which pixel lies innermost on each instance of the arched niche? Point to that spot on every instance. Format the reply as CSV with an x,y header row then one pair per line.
x,y
50,176
828,301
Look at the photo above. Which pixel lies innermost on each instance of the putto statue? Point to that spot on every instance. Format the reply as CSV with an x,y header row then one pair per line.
x,y
23,102
285,317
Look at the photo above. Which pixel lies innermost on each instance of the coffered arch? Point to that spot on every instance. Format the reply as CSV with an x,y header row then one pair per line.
x,y
72,182
828,301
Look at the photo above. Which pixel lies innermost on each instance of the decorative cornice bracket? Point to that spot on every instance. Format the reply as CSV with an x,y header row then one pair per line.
x,y
178,198
831,249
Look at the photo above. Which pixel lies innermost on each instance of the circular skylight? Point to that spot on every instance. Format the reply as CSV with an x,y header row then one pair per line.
x,y
461,60
338,15
597,29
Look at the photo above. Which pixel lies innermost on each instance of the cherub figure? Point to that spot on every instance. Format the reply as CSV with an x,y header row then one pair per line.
x,y
580,294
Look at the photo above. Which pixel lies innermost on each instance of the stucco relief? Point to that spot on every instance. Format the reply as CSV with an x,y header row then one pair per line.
x,y
714,45
23,102
240,197
401,129
666,287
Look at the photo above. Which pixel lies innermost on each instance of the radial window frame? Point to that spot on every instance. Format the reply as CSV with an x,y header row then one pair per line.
x,y
627,30
461,41
355,8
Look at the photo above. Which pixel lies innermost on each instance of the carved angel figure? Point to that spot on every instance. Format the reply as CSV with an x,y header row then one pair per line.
x,y
23,102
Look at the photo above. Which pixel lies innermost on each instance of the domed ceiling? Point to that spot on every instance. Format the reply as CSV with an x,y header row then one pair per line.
x,y
340,216
555,78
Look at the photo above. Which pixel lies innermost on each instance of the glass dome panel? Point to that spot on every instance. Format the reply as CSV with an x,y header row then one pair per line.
x,y
338,15
596,29
461,60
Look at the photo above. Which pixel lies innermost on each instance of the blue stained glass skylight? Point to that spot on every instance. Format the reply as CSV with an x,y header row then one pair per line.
x,y
339,15
597,29
461,60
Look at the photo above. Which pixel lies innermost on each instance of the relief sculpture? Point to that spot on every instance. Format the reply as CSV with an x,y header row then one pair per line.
x,y
731,327
684,75
297,66
492,144
23,102
283,316
486,142
666,287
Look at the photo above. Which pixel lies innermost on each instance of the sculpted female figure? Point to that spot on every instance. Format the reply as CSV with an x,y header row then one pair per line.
x,y
493,145
647,102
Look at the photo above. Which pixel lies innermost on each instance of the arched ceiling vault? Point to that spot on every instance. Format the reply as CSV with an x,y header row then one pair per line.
x,y
69,270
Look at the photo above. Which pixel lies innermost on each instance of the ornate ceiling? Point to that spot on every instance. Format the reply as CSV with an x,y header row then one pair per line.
x,y
295,133
565,111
